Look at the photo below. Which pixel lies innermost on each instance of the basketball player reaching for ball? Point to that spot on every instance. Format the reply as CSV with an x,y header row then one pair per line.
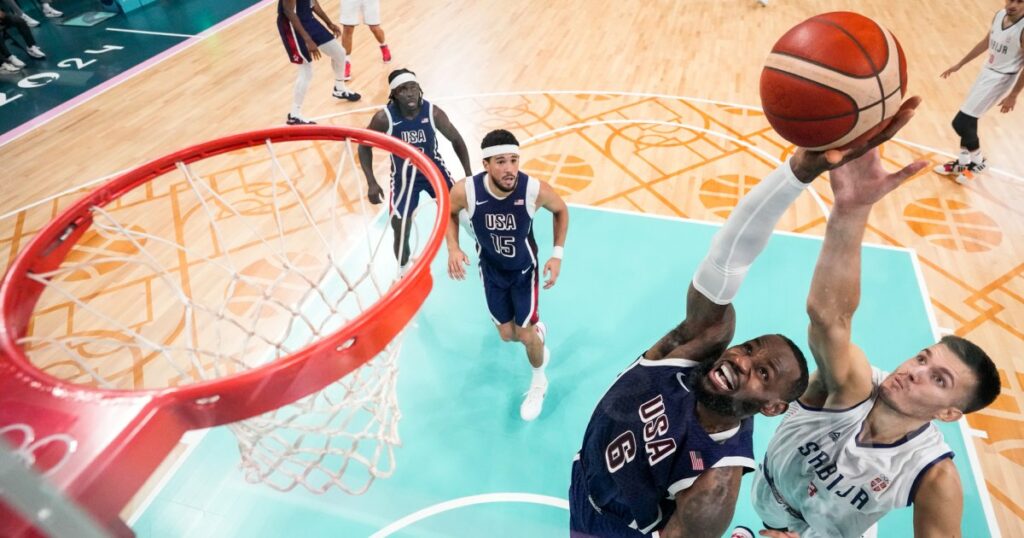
x,y
304,39
412,119
1005,44
369,13
501,203
668,443
860,442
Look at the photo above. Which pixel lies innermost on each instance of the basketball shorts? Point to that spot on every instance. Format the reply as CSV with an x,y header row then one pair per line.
x,y
988,89
405,198
294,45
353,10
511,295
586,521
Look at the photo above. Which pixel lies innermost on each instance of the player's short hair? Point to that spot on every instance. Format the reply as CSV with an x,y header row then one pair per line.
x,y
800,386
499,137
984,369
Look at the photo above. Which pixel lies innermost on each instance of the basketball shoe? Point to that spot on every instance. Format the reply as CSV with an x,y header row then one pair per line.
x,y
15,61
299,120
35,52
7,67
347,95
32,23
50,12
963,172
385,53
348,71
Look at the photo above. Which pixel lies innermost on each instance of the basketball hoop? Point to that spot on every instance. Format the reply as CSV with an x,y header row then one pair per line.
x,y
243,279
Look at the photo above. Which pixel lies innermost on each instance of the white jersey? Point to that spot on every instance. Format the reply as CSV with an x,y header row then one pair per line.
x,y
1004,52
816,479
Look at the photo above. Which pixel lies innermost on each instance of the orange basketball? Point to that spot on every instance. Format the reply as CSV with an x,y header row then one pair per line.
x,y
831,79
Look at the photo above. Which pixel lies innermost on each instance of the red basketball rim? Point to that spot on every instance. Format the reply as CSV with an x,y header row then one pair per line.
x,y
154,419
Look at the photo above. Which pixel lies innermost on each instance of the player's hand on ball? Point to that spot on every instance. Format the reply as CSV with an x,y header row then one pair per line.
x,y
808,164
457,263
551,270
375,194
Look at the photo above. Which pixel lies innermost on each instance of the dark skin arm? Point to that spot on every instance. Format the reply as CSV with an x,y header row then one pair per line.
x,y
452,134
293,18
707,505
334,28
378,123
704,334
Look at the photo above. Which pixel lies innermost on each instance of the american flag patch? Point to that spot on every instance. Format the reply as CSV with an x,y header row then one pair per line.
x,y
520,202
696,462
425,120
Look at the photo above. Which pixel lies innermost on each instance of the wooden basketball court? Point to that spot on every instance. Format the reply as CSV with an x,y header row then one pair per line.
x,y
640,105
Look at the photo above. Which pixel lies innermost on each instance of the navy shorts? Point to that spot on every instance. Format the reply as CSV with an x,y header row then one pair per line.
x,y
405,194
511,295
584,519
294,45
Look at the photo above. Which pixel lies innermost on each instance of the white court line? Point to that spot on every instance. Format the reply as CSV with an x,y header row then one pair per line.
x,y
455,504
147,32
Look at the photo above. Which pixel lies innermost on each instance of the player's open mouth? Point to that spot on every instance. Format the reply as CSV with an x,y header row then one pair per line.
x,y
724,377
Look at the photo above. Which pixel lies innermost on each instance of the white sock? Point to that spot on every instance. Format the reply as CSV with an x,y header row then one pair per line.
x,y
538,372
964,157
336,52
301,86
976,157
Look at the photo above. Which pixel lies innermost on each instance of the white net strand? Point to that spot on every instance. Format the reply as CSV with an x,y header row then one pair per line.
x,y
340,437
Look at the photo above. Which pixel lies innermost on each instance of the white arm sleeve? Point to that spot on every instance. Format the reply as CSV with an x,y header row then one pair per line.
x,y
744,235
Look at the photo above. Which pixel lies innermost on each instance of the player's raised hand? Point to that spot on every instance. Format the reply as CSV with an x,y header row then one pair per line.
x,y
863,181
457,263
374,193
551,270
808,164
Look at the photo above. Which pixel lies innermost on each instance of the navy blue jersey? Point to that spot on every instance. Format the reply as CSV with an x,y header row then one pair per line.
x,y
644,444
303,8
504,226
419,132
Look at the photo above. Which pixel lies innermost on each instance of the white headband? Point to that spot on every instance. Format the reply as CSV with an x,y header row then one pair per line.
x,y
491,151
402,79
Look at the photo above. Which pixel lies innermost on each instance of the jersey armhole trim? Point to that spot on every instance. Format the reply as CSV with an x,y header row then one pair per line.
x,y
920,475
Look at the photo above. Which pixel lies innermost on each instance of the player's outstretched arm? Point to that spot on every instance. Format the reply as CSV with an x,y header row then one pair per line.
x,y
706,507
379,123
457,259
979,48
452,134
835,287
550,200
939,502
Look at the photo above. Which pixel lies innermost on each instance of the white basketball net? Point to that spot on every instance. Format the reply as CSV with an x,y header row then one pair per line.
x,y
224,265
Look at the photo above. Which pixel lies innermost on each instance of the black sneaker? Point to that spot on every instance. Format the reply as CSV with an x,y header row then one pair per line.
x,y
298,120
347,95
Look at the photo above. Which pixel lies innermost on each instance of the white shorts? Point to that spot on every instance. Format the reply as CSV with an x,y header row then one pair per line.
x,y
988,90
354,10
